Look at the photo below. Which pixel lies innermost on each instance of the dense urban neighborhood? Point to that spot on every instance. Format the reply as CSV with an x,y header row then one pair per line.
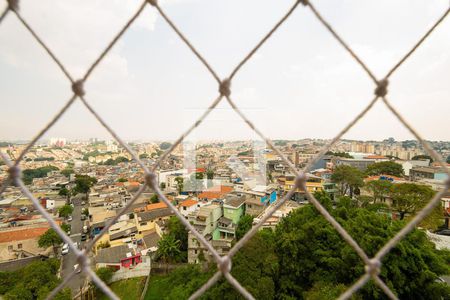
x,y
139,247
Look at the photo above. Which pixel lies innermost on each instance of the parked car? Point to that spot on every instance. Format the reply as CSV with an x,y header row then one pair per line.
x,y
83,237
443,232
83,203
77,268
65,249
69,218
85,229
76,245
83,217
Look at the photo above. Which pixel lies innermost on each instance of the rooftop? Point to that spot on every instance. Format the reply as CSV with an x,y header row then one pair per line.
x,y
188,203
22,234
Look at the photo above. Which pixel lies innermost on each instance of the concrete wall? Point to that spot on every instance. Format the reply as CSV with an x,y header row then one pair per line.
x,y
141,270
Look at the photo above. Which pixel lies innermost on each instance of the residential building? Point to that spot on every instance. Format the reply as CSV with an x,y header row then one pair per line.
x,y
407,165
436,173
18,239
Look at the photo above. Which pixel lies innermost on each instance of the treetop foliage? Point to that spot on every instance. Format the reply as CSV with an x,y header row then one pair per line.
x,y
385,168
34,281
305,258
30,174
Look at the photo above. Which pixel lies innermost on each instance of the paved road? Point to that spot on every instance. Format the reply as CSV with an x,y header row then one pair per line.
x,y
69,260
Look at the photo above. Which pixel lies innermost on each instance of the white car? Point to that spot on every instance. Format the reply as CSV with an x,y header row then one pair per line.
x,y
76,245
77,268
69,218
65,249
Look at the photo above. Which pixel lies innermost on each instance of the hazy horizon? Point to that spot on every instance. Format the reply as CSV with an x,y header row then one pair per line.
x,y
300,83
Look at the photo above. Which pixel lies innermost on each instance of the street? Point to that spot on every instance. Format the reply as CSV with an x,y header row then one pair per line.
x,y
69,260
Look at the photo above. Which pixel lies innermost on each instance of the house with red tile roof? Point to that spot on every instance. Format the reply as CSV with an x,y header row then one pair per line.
x,y
215,192
13,241
189,205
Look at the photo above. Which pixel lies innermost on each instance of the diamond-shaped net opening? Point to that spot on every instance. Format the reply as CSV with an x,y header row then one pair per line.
x,y
224,87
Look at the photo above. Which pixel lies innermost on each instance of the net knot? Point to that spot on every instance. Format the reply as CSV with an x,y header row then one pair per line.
x,y
224,265
150,179
224,88
373,267
83,260
300,180
381,89
77,88
447,182
304,2
153,2
13,5
14,172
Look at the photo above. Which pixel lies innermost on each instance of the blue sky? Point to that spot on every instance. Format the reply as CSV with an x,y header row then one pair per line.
x,y
300,84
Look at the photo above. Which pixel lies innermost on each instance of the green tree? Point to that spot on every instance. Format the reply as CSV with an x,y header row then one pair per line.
x,y
210,174
348,179
179,181
64,192
165,145
154,199
407,198
65,227
66,172
380,189
83,183
434,219
243,226
310,251
325,291
255,266
179,233
385,168
105,274
50,238
162,185
65,211
143,156
121,179
339,154
85,211
115,162
19,292
168,249
198,175
30,174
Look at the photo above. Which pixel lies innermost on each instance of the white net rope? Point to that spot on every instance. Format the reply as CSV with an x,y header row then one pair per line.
x,y
372,265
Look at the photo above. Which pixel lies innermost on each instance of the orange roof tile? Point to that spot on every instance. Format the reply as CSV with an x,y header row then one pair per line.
x,y
154,206
23,234
188,203
215,192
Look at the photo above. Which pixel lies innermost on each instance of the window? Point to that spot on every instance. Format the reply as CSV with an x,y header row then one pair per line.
x,y
10,247
184,207
19,246
143,223
195,251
